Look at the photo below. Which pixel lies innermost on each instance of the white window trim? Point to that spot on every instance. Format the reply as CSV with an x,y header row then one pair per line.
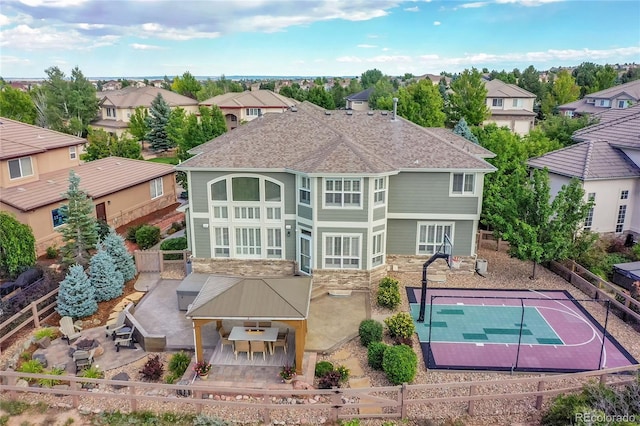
x,y
19,160
382,252
73,154
497,103
154,188
622,211
301,189
53,222
420,224
343,206
624,194
463,193
382,190
341,235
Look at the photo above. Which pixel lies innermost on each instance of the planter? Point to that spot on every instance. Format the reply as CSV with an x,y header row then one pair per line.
x,y
288,381
203,376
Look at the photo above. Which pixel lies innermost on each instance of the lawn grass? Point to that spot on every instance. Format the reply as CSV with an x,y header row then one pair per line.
x,y
165,160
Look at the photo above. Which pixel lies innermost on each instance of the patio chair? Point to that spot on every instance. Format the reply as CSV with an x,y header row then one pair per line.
x,y
116,326
224,338
281,342
250,324
125,339
69,330
242,346
83,359
259,346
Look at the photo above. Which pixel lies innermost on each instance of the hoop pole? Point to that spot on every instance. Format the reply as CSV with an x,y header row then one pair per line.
x,y
604,335
520,334
430,325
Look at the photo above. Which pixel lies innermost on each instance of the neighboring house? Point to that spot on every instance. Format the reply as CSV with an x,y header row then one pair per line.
x,y
435,79
117,106
606,159
34,173
359,101
510,106
336,194
616,97
239,107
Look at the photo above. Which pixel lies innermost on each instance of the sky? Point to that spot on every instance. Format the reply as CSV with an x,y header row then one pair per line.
x,y
141,38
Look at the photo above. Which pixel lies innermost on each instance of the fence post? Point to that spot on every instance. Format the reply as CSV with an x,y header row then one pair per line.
x,y
540,397
133,401
34,313
336,403
603,379
402,394
473,390
266,411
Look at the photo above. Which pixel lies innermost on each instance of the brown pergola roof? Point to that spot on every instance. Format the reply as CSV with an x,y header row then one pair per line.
x,y
282,298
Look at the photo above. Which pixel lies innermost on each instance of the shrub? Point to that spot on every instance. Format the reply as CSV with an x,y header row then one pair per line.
x,y
177,226
400,364
330,380
344,373
375,353
49,383
171,378
114,245
52,252
17,246
179,243
323,367
131,232
388,293
76,297
179,362
400,325
43,332
563,410
204,420
107,281
152,370
32,366
370,331
147,236
92,372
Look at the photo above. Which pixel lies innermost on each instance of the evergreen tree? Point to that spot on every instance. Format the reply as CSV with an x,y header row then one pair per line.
x,y
80,232
76,297
463,130
106,280
114,245
158,118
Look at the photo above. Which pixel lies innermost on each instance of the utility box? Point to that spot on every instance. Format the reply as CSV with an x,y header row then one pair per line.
x,y
189,289
481,266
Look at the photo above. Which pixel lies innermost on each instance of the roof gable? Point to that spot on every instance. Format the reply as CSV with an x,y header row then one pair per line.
x,y
132,97
250,99
499,89
19,139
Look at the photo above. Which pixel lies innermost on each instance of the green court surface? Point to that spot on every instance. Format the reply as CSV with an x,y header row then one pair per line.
x,y
484,324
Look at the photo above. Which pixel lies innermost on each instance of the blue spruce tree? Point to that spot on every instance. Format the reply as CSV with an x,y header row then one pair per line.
x,y
114,245
463,130
105,278
76,295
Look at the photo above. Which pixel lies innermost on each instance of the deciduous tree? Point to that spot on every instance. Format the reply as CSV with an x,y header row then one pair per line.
x,y
321,97
17,246
186,85
468,99
138,123
422,104
370,78
17,105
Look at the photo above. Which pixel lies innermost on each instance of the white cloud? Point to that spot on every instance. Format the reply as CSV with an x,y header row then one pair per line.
x,y
14,60
86,26
53,3
139,46
528,3
474,5
4,20
437,23
367,46
28,38
412,9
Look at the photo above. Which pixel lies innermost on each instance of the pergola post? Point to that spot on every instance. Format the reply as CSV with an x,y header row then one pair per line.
x,y
197,337
300,327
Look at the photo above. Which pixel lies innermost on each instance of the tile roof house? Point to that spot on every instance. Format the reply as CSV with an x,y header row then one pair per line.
x,y
34,173
510,106
336,194
117,106
238,107
616,97
359,101
606,158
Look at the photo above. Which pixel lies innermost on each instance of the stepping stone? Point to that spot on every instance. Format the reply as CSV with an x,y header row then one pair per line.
x,y
121,305
354,367
364,383
113,316
341,355
135,297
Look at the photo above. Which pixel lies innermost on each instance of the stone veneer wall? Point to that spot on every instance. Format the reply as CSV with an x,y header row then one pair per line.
x,y
413,263
245,267
348,279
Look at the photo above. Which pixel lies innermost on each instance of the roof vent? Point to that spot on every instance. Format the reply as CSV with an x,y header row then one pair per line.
x,y
384,112
21,189
369,113
349,112
294,109
118,163
50,181
40,137
99,168
327,113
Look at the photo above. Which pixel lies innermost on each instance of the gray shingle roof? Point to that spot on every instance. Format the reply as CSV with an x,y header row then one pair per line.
x,y
311,140
20,139
361,96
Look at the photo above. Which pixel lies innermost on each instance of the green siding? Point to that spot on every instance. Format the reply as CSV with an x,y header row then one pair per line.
x,y
187,219
427,193
346,214
202,238
379,228
319,241
379,213
402,236
305,212
290,240
463,238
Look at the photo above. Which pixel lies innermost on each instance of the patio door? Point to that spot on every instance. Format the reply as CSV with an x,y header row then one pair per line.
x,y
305,252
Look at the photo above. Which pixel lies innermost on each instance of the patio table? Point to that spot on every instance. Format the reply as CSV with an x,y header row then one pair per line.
x,y
265,334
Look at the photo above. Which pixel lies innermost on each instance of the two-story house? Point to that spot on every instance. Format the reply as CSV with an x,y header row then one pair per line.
x,y
359,101
616,97
240,107
337,194
510,106
34,175
606,159
117,106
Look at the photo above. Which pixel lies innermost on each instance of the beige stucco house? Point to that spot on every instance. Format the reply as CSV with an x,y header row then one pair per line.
x,y
117,106
239,107
34,173
616,97
511,106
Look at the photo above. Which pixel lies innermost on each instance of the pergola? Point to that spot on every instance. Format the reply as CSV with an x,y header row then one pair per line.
x,y
282,299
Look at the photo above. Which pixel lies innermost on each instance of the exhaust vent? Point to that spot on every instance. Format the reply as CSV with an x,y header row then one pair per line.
x,y
327,113
369,113
294,109
349,112
384,112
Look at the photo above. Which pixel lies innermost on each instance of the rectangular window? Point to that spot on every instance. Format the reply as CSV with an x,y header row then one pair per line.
x,y
624,194
274,213
588,221
220,212
156,188
342,251
431,236
378,249
221,236
463,183
604,102
253,111
247,213
111,112
517,103
342,192
379,191
58,220
622,104
622,213
20,168
305,190
496,102
72,153
274,243
248,242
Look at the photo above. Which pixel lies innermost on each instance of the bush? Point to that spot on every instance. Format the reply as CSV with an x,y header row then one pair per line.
x,y
92,372
344,373
152,370
32,366
400,364
52,252
204,420
49,383
330,380
179,243
400,325
171,378
370,331
131,232
388,293
375,354
179,362
147,236
563,410
323,367
43,332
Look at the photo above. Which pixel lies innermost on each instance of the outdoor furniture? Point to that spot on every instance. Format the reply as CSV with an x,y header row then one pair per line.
x,y
125,339
224,338
113,328
281,342
259,346
268,335
83,359
69,330
242,346
250,324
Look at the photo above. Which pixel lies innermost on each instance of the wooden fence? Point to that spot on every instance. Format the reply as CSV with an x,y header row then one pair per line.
x,y
399,402
38,311
155,260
